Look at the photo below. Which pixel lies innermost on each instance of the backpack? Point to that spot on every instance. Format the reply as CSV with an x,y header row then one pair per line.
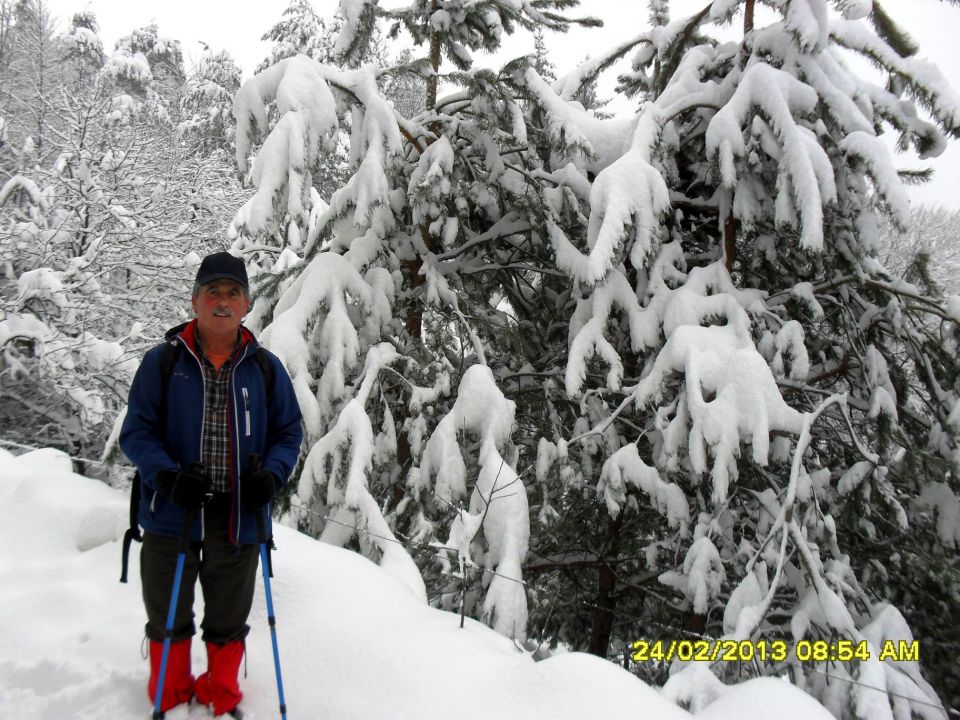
x,y
171,353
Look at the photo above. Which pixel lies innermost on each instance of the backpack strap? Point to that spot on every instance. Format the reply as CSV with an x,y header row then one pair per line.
x,y
266,367
171,353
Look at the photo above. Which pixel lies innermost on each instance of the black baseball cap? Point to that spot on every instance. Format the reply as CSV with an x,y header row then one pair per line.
x,y
222,266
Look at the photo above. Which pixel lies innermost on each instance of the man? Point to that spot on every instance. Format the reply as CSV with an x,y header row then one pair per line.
x,y
214,438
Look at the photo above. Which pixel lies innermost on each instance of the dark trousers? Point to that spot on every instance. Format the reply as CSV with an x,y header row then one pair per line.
x,y
227,573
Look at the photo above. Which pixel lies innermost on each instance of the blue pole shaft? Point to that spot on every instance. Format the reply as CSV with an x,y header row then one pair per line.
x,y
265,567
272,620
171,613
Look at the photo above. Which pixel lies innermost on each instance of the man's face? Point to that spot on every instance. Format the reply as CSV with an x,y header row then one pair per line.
x,y
220,307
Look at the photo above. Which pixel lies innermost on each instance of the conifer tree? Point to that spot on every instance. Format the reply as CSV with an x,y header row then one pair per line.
x,y
796,443
541,60
207,105
378,386
163,78
301,31
649,365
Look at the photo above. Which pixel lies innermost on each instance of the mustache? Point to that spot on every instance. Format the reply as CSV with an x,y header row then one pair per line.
x,y
223,312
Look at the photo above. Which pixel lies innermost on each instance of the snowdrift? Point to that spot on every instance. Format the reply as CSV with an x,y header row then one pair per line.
x,y
354,642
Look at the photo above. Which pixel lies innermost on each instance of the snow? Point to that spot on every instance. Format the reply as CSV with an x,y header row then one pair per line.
x,y
595,143
952,303
938,497
900,677
790,138
883,396
323,285
628,192
588,341
352,12
837,91
922,75
354,642
702,575
134,68
481,409
854,9
746,402
761,698
24,184
747,595
308,122
498,502
807,20
349,498
43,284
13,325
430,180
625,466
803,291
879,163
806,175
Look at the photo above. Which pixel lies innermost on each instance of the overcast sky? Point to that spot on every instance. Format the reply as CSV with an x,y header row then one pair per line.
x,y
221,24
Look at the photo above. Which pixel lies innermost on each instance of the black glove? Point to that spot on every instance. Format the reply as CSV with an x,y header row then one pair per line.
x,y
187,489
258,488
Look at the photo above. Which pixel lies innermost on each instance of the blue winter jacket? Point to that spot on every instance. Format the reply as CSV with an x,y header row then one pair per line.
x,y
153,444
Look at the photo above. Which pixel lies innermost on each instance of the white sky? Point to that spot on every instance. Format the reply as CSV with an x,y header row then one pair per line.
x,y
221,25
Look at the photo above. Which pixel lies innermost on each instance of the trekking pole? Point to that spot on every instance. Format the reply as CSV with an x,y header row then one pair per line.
x,y
265,567
196,468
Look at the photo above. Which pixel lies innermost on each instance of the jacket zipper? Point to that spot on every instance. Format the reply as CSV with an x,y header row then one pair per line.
x,y
246,409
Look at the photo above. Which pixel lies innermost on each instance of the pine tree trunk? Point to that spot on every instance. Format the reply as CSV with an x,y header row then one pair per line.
x,y
414,322
730,226
606,602
730,223
432,81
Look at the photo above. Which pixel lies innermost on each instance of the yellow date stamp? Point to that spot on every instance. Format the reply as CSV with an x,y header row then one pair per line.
x,y
709,650
728,650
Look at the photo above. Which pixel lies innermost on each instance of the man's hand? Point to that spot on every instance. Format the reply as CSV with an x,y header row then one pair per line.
x,y
187,489
258,488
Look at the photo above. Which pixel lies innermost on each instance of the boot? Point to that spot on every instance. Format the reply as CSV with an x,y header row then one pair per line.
x,y
219,685
178,683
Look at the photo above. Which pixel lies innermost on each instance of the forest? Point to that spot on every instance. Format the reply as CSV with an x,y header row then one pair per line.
x,y
687,371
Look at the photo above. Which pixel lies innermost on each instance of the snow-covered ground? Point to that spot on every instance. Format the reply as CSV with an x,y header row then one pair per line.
x,y
354,641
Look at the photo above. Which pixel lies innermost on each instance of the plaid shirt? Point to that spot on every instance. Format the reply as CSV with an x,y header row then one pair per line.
x,y
216,426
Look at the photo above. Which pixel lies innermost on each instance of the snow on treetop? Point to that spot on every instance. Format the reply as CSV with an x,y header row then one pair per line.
x,y
134,68
808,176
